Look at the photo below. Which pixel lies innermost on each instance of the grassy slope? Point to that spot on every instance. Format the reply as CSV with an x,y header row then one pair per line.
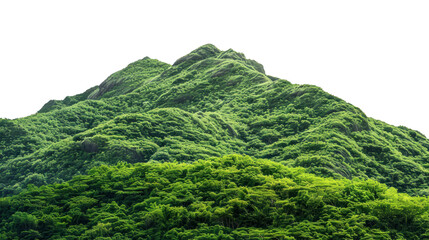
x,y
228,105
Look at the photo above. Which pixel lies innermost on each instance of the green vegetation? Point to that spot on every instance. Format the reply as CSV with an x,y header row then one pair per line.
x,y
209,103
233,197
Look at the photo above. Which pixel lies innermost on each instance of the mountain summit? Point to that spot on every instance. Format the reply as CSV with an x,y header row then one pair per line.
x,y
210,103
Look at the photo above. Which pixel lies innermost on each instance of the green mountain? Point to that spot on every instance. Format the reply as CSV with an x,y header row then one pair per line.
x,y
327,176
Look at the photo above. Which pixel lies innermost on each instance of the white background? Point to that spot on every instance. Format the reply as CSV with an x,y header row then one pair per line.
x,y
373,54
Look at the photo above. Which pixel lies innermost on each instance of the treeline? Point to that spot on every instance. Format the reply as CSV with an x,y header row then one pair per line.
x,y
233,197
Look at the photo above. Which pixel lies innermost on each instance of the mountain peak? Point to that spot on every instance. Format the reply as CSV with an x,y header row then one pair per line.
x,y
129,78
210,50
203,52
231,54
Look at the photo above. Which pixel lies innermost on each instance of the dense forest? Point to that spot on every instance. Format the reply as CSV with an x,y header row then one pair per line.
x,y
147,155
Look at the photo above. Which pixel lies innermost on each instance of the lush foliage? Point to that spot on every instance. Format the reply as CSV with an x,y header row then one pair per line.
x,y
232,197
209,103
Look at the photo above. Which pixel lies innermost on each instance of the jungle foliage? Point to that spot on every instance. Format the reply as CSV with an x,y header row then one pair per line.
x,y
233,197
209,103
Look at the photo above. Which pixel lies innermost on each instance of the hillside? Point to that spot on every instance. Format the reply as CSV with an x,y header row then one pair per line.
x,y
210,103
248,112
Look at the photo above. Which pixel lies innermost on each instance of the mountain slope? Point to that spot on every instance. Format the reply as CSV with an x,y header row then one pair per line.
x,y
119,83
242,110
